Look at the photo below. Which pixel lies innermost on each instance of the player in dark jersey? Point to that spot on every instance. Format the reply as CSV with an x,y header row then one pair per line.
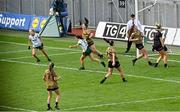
x,y
88,35
159,46
51,78
137,38
113,62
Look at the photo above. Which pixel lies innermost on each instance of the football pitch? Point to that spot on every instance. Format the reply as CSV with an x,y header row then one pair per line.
x,y
22,86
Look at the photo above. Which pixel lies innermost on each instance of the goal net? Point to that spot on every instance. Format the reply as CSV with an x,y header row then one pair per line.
x,y
164,12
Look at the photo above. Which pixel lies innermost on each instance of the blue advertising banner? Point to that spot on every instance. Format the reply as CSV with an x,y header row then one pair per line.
x,y
14,21
38,22
24,22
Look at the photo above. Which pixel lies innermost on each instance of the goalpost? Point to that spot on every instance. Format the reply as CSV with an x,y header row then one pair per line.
x,y
137,11
149,12
172,33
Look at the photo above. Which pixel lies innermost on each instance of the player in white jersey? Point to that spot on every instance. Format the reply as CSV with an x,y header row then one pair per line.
x,y
36,42
86,52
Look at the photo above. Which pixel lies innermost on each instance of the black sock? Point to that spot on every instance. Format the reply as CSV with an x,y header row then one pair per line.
x,y
100,55
56,103
48,105
156,64
102,81
135,59
165,65
149,62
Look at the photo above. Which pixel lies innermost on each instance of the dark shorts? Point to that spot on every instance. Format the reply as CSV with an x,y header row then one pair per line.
x,y
53,89
87,52
158,48
139,46
40,47
117,64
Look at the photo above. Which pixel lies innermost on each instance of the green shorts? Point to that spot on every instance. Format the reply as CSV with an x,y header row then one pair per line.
x,y
87,52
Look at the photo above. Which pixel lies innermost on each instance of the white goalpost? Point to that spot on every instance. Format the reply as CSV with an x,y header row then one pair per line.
x,y
137,11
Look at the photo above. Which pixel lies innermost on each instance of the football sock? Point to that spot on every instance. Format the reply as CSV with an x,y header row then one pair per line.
x,y
104,65
48,105
102,81
165,65
124,80
134,61
150,63
56,103
100,55
156,64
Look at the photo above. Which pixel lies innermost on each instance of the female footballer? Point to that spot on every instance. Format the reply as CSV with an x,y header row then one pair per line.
x,y
159,46
86,52
37,43
137,38
51,78
88,35
112,63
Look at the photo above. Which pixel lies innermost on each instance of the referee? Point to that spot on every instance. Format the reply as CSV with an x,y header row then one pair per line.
x,y
133,22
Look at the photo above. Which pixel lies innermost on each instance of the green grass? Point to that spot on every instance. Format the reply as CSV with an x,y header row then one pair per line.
x,y
22,87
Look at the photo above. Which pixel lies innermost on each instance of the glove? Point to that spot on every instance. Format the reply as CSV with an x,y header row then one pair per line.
x,y
51,12
29,47
42,44
152,48
57,13
165,48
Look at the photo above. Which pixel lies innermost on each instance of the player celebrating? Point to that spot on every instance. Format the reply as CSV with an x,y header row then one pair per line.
x,y
112,62
37,43
159,46
51,78
137,38
88,35
86,52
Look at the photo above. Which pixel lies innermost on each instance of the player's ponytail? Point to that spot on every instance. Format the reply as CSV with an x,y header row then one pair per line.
x,y
86,22
51,66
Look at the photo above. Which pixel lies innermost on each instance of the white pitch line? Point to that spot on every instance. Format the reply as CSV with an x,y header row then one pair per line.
x,y
58,54
177,61
121,103
15,43
10,52
91,71
20,109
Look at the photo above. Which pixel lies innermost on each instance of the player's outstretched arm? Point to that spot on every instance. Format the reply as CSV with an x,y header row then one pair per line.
x,y
74,46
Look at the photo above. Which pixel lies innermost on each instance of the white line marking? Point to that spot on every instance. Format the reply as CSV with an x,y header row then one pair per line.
x,y
128,102
21,109
10,52
75,50
58,54
153,58
68,49
101,72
